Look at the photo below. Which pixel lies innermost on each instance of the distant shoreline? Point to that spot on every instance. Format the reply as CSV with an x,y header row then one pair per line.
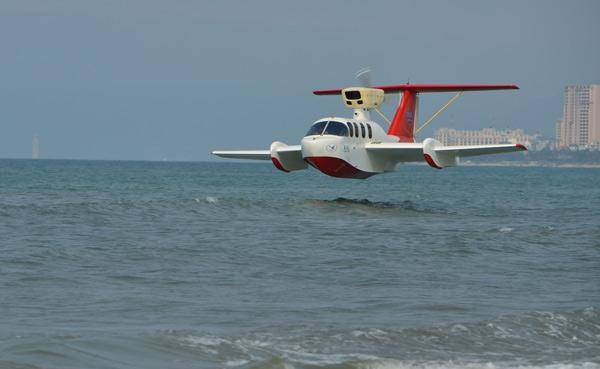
x,y
532,165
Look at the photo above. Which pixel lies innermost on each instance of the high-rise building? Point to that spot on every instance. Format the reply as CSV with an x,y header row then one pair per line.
x,y
580,123
559,134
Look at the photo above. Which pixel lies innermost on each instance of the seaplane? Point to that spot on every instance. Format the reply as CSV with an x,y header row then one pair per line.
x,y
359,148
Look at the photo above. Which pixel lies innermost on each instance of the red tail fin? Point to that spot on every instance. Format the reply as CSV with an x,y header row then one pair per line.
x,y
403,123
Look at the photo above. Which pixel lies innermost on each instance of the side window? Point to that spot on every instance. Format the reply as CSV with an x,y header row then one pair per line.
x,y
370,130
362,130
355,129
351,129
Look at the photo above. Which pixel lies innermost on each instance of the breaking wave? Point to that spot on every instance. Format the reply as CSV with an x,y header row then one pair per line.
x,y
399,364
572,337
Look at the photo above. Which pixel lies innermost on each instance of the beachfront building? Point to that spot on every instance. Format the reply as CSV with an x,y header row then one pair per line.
x,y
486,136
580,123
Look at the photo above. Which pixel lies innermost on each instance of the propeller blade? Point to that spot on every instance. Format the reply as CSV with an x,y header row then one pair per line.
x,y
363,77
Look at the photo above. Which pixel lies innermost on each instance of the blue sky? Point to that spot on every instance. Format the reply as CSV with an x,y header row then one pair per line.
x,y
153,80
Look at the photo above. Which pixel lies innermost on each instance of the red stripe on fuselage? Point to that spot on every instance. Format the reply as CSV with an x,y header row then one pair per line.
x,y
336,167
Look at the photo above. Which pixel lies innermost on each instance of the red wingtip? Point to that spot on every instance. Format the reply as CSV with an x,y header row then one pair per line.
x,y
336,91
430,161
521,147
278,165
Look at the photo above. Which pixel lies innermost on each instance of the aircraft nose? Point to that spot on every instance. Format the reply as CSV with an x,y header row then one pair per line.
x,y
319,146
309,145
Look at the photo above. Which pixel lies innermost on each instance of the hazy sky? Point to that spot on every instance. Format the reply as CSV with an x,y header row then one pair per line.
x,y
146,79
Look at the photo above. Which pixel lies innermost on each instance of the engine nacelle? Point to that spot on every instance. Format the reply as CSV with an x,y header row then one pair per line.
x,y
286,161
438,160
363,97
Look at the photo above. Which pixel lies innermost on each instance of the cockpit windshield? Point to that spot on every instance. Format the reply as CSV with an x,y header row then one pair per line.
x,y
328,128
336,129
316,129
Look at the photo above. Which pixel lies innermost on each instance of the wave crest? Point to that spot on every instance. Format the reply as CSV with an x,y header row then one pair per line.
x,y
521,341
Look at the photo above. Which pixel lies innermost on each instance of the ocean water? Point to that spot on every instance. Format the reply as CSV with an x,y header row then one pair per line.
x,y
221,265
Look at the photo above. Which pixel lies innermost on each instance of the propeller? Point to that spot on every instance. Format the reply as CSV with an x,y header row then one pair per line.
x,y
363,76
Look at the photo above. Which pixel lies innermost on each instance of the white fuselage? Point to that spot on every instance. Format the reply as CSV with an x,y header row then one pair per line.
x,y
342,155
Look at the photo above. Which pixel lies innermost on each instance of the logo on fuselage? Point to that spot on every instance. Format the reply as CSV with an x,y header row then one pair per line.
x,y
331,147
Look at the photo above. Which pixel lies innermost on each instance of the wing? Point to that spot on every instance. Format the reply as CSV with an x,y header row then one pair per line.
x,y
475,150
396,151
293,152
284,157
245,154
388,154
426,88
439,156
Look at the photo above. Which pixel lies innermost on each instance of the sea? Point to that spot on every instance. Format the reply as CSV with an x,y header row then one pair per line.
x,y
126,265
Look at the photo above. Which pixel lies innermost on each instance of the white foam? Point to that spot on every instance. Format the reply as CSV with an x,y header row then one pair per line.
x,y
589,312
204,341
211,200
233,363
458,328
372,333
502,332
396,364
506,229
313,358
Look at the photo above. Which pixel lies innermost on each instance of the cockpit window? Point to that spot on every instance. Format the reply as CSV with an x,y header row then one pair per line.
x,y
316,129
336,129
